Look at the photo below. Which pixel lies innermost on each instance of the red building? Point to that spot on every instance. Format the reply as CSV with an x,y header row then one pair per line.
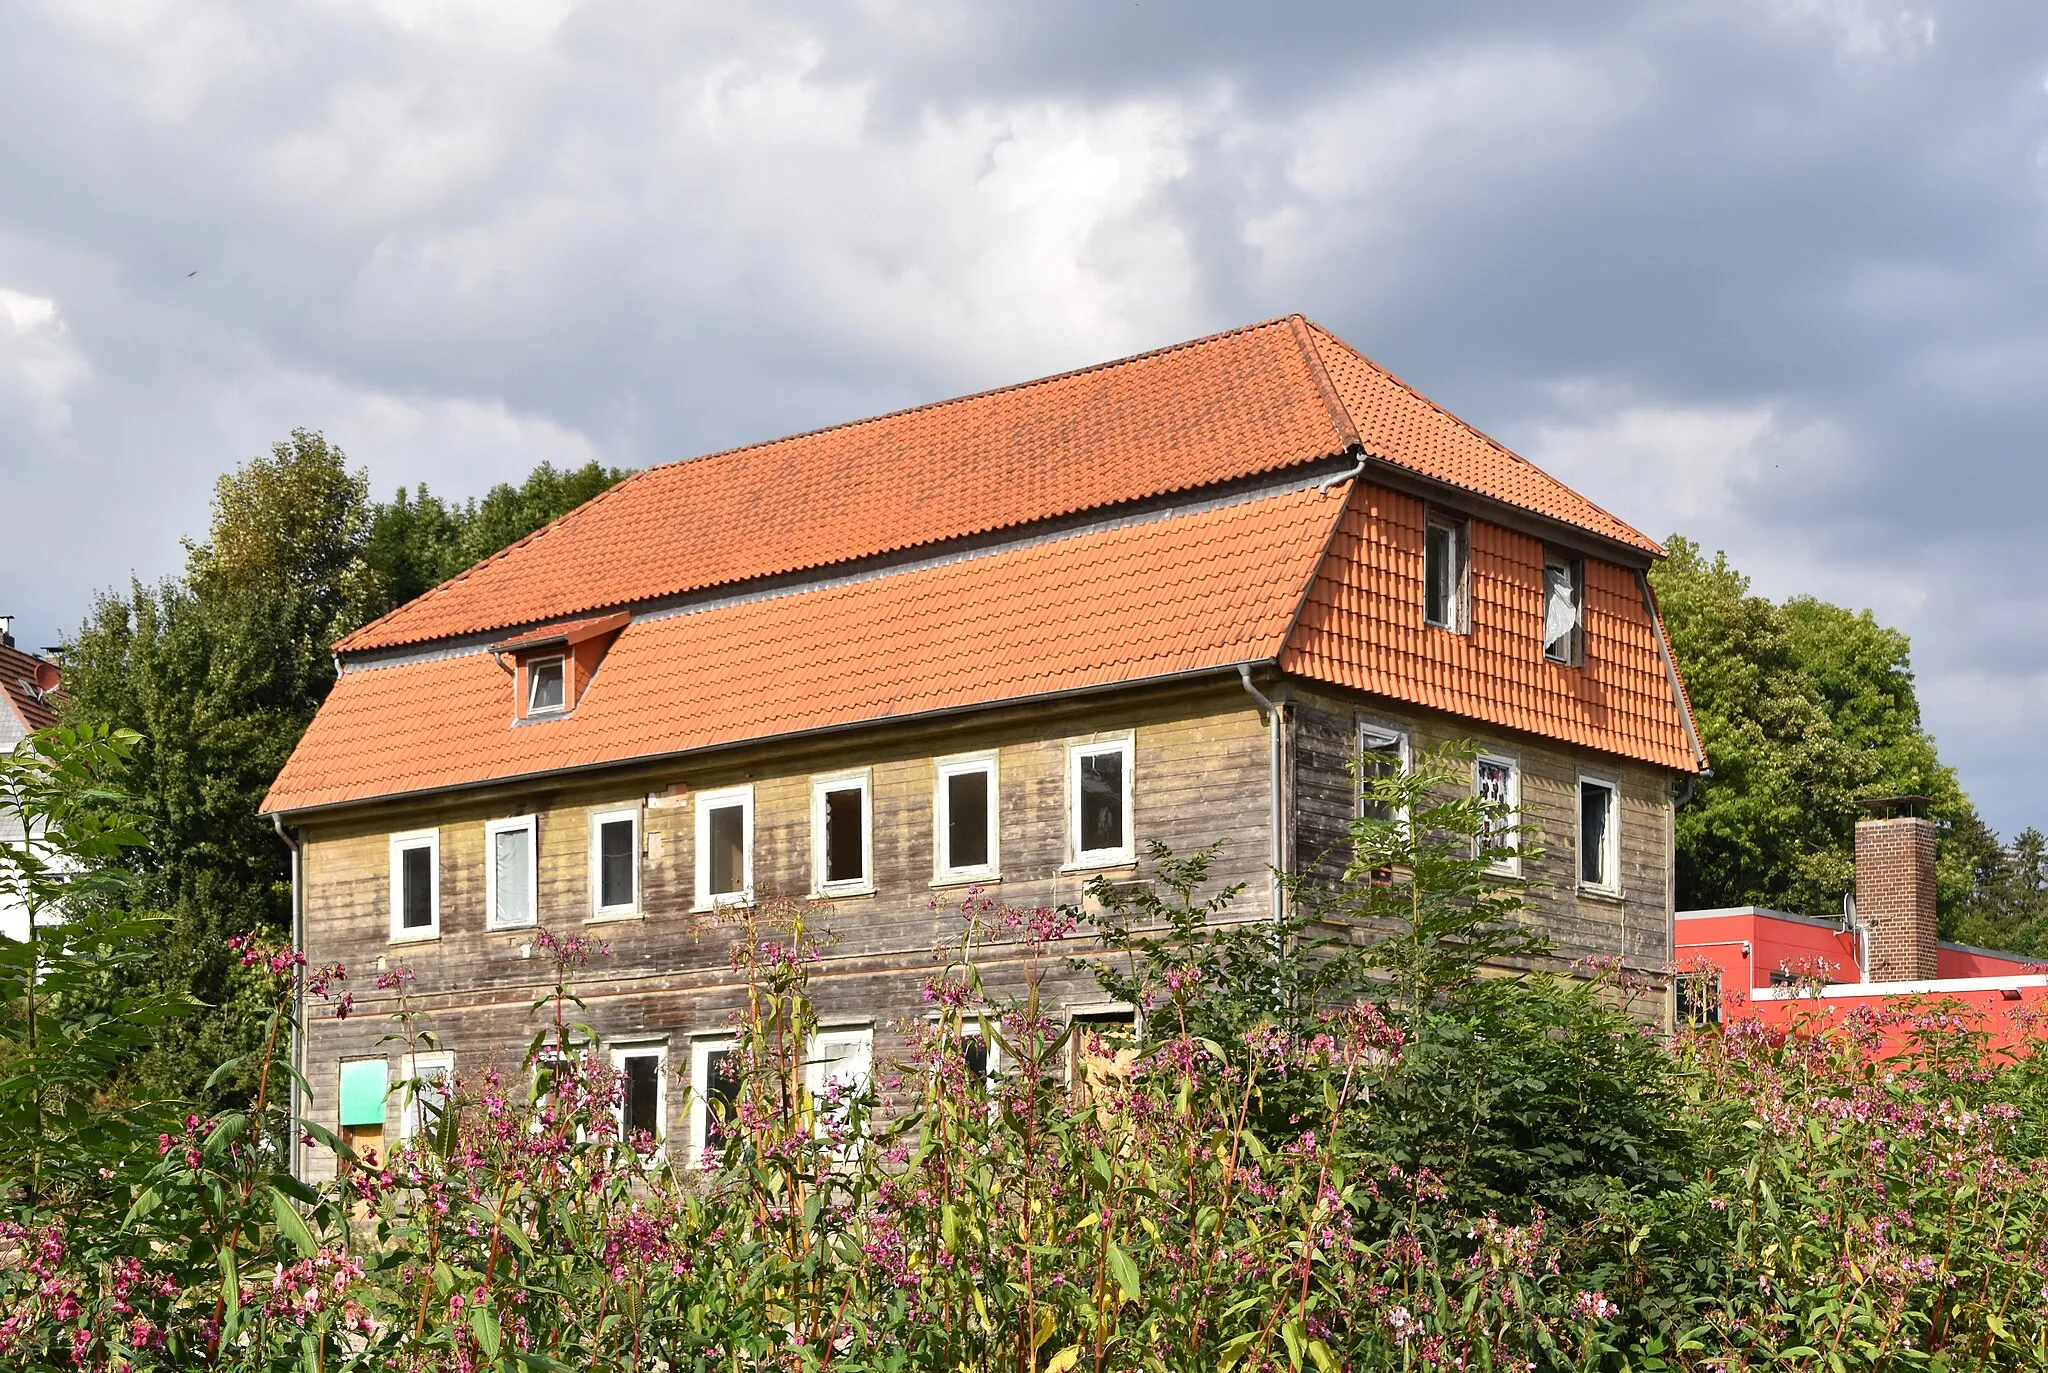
x,y
1746,962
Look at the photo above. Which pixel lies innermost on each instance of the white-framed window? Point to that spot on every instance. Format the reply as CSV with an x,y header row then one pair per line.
x,y
615,863
1446,559
416,885
1099,803
642,1112
965,831
1564,608
837,1069
1096,1031
983,1057
1599,836
714,1095
842,835
725,846
429,1080
1498,781
511,872
547,685
1382,752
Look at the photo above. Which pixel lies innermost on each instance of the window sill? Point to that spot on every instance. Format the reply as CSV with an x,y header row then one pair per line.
x,y
416,937
613,917
965,879
1099,865
725,901
834,893
528,928
1608,895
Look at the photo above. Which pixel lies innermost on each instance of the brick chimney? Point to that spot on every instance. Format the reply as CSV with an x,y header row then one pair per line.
x,y
1895,890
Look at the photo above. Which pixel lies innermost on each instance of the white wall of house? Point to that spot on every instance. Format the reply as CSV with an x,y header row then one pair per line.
x,y
13,919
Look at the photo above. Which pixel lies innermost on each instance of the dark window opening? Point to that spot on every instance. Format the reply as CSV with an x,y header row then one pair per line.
x,y
967,820
615,863
721,1089
845,860
544,686
1563,609
642,1095
728,841
416,887
1443,574
1596,821
1699,998
1102,801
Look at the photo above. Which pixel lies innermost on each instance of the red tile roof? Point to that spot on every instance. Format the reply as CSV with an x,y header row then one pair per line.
x,y
19,674
570,632
1362,628
1197,590
1235,405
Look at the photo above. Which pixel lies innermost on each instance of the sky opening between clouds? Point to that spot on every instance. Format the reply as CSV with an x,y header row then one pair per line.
x,y
1770,274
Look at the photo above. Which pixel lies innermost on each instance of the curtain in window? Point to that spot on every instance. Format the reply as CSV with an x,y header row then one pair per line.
x,y
1561,608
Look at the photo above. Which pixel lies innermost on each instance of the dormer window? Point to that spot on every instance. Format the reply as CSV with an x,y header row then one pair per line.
x,y
1564,608
545,691
553,666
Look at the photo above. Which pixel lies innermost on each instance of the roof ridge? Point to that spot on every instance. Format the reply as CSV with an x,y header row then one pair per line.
x,y
485,561
1480,434
1347,429
1015,386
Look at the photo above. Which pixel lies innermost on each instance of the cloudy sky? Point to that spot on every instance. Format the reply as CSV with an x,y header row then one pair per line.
x,y
1771,273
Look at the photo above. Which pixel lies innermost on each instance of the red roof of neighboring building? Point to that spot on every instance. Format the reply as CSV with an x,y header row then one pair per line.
x,y
29,683
1234,405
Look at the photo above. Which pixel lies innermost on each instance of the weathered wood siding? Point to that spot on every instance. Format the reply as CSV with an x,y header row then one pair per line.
x,y
1324,735
1201,773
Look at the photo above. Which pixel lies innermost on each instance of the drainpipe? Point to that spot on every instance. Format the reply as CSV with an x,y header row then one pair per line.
x,y
1324,485
298,1045
1277,856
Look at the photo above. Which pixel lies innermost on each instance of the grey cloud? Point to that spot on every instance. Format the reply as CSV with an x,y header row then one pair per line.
x,y
1769,273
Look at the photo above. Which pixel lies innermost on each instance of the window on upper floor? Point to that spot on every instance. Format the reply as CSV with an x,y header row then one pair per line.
x,y
964,829
725,846
842,840
1599,836
615,863
511,872
416,885
546,686
1099,803
1498,782
1445,554
1564,614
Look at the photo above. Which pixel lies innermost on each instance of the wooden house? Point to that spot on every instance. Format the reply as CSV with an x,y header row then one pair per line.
x,y
1004,641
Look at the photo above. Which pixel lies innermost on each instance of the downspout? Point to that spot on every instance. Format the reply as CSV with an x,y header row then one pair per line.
x,y
1276,857
1328,482
298,1046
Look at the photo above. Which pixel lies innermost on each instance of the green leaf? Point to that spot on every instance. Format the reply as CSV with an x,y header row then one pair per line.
x,y
292,1225
483,1323
1124,1271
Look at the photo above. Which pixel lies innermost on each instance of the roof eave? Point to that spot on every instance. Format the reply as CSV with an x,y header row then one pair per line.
x,y
295,814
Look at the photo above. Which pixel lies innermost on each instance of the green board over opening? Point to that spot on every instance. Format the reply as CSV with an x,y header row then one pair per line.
x,y
362,1091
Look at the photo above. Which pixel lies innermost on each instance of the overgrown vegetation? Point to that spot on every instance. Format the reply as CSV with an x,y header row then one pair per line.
x,y
1331,1145
221,670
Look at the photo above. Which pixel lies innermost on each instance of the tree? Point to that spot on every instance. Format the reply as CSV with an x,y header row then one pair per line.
x,y
1805,709
221,671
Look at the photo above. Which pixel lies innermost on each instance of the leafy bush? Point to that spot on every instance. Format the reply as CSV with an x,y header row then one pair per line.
x,y
1331,1144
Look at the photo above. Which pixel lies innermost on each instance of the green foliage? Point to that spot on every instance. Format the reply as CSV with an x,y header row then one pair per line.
x,y
1803,1206
1804,710
66,1028
417,540
221,671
